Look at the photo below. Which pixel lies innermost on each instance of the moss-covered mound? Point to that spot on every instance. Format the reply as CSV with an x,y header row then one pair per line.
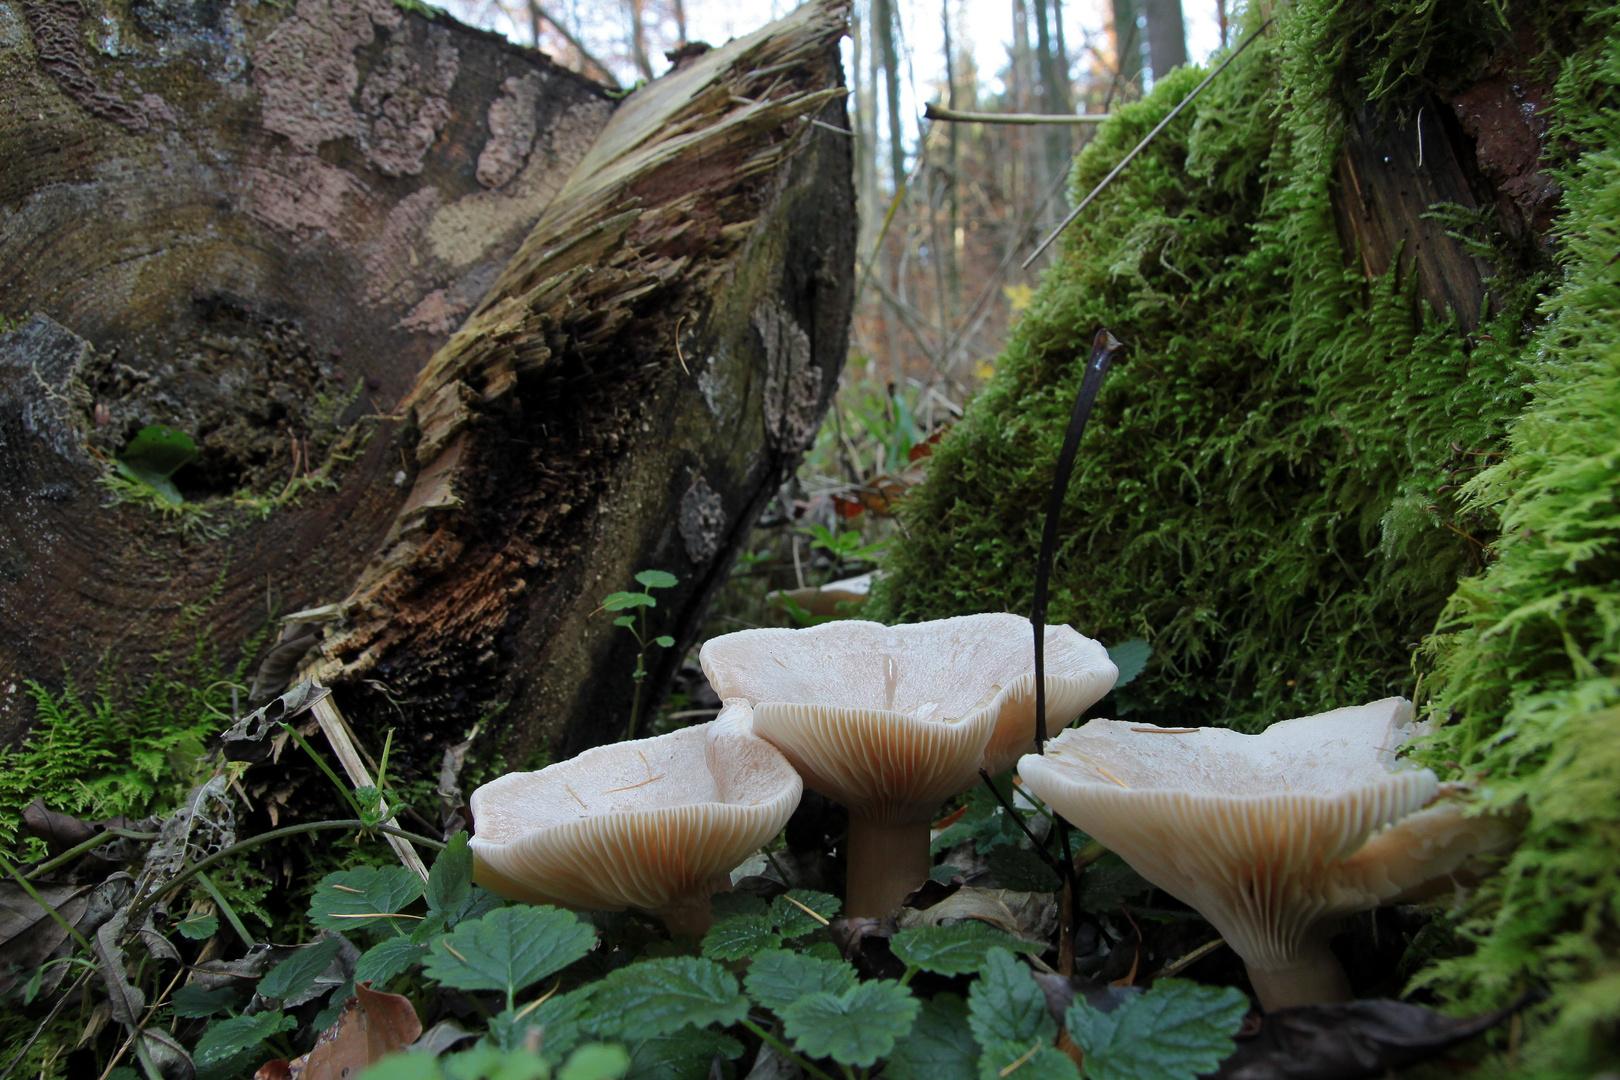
x,y
1295,477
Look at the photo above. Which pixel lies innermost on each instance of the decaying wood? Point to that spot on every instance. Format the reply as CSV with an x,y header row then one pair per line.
x,y
642,376
261,224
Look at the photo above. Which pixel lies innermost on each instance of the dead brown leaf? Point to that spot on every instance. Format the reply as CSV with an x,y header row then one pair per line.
x,y
372,1026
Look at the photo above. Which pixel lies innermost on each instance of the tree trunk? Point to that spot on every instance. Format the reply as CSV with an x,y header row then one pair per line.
x,y
263,228
1167,36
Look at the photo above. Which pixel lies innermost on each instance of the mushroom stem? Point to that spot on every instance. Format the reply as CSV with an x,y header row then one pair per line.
x,y
884,864
691,916
1314,978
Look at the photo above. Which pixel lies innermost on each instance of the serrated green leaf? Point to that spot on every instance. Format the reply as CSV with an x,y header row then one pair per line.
x,y
664,640
793,921
192,1002
239,1033
509,949
561,1019
596,1061
655,997
1130,657
777,978
1109,882
334,1007
855,1027
622,601
1022,870
739,937
299,971
450,881
1175,1031
940,1045
1035,1061
198,927
657,579
488,1063
1007,1005
956,949
686,1054
403,1067
388,958
363,898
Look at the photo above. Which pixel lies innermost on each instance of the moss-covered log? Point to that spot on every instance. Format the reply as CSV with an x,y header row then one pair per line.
x,y
259,225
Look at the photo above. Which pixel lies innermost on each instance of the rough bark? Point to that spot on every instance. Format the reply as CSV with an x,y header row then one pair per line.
x,y
261,225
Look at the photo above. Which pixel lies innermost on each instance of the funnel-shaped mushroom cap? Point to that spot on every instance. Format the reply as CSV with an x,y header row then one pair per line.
x,y
1272,837
649,824
893,720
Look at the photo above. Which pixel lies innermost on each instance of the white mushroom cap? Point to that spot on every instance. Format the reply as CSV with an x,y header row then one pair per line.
x,y
1272,837
893,720
652,824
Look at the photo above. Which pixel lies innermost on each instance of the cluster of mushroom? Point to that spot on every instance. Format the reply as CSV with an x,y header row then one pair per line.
x,y
889,720
1274,837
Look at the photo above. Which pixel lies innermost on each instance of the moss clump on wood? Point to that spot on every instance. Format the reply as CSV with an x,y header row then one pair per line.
x,y
1278,487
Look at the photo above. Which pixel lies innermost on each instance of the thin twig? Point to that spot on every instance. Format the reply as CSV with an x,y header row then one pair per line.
x,y
1176,967
50,1018
1128,158
79,849
1052,863
934,112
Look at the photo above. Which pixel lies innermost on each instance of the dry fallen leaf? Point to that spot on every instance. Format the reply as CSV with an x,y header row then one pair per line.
x,y
372,1026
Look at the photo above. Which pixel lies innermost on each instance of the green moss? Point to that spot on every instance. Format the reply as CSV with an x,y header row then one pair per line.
x,y
1257,492
1288,483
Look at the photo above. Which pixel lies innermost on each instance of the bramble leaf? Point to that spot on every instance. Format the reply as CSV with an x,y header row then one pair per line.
x,y
388,958
509,949
656,997
1175,1031
299,971
450,881
940,1045
739,937
954,950
596,1061
1037,1060
364,898
1007,1005
793,921
561,1020
192,1002
682,1054
855,1027
1130,657
239,1033
777,978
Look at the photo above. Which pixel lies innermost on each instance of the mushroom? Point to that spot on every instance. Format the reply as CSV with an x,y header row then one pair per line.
x,y
893,720
654,824
1272,837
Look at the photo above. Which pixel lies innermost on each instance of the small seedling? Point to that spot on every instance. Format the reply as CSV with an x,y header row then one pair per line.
x,y
637,625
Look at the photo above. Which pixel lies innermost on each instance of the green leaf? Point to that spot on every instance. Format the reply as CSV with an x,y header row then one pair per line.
x,y
191,1002
562,1020
940,1045
362,898
657,579
488,1062
450,881
853,1028
388,958
334,1007
160,484
509,949
1109,882
1022,870
159,450
777,978
1036,1060
656,997
239,1033
1175,1031
726,904
1007,1005
793,921
596,1061
686,1054
625,620
620,601
403,1066
739,936
956,949
1130,657
299,971
664,640
198,927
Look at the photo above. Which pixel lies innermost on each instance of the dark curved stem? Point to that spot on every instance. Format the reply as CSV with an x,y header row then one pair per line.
x,y
1103,350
